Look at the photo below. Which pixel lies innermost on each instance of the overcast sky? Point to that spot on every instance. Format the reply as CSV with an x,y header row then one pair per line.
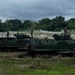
x,y
36,9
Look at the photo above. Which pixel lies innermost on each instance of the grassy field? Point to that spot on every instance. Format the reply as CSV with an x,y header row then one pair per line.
x,y
37,66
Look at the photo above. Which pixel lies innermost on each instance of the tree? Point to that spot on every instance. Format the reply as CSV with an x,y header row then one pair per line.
x,y
45,21
71,23
1,26
16,24
44,24
27,24
58,22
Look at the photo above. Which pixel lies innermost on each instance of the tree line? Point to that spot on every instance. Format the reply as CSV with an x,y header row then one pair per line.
x,y
55,24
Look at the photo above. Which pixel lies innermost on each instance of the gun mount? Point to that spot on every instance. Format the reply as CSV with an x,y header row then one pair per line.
x,y
66,36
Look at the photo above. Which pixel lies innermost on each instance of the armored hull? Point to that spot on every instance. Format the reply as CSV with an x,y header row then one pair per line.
x,y
50,46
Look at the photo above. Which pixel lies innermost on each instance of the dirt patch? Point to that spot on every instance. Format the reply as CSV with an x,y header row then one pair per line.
x,y
11,55
2,72
33,65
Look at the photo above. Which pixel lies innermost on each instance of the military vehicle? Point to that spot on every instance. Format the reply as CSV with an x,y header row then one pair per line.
x,y
60,45
17,43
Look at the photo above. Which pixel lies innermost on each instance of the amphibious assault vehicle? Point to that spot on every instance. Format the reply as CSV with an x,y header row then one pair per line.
x,y
13,44
60,45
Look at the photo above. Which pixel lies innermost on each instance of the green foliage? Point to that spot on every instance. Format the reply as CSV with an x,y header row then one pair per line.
x,y
71,23
27,24
44,21
40,66
58,23
15,24
1,26
55,24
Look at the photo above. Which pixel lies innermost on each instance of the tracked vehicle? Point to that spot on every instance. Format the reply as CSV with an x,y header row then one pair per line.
x,y
60,45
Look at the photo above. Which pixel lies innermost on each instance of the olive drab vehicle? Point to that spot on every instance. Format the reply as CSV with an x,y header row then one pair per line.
x,y
60,45
17,43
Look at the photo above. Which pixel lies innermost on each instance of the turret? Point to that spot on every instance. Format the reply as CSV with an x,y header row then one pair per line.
x,y
20,35
66,36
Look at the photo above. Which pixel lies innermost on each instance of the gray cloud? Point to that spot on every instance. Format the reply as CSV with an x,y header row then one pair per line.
x,y
36,9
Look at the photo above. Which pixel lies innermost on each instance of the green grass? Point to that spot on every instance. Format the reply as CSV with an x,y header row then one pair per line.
x,y
42,66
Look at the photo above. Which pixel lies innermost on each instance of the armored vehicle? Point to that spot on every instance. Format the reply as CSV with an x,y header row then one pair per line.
x,y
61,44
17,43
